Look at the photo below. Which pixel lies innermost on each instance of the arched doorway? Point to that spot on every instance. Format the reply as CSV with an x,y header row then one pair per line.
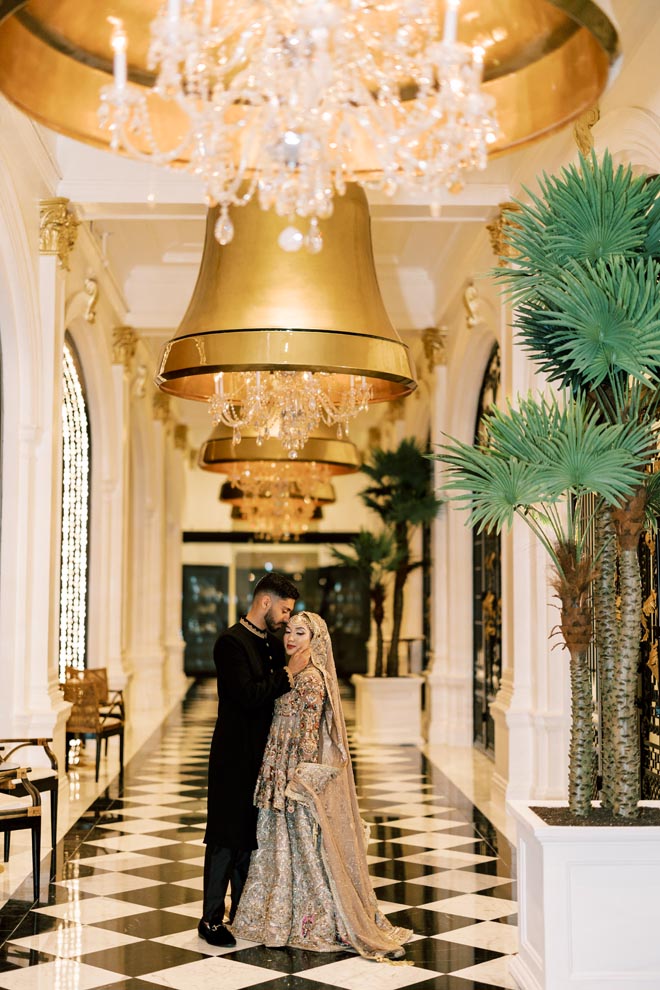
x,y
487,594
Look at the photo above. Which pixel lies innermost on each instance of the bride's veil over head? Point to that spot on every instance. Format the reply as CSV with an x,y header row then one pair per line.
x,y
328,789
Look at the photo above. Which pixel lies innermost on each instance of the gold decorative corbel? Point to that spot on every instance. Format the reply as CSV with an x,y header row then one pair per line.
x,y
434,340
181,436
160,406
124,343
497,230
582,130
58,229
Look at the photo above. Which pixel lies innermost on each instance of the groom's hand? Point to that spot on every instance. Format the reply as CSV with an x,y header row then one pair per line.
x,y
299,660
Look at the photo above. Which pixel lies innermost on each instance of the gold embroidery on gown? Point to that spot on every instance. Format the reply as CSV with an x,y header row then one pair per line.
x,y
308,884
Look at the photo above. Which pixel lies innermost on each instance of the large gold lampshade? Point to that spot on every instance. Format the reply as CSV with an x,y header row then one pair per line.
x,y
221,455
545,61
256,307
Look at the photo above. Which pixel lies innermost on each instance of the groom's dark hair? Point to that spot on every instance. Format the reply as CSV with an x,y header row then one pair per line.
x,y
277,585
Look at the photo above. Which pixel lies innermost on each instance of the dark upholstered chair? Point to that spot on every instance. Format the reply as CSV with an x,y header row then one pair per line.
x,y
45,779
22,812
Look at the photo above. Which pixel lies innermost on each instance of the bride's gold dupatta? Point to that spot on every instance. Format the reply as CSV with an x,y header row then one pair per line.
x,y
327,788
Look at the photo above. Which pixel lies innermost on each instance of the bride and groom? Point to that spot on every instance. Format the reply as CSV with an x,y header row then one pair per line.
x,y
284,830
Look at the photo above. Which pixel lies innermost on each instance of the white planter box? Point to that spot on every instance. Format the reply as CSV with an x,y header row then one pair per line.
x,y
588,905
388,710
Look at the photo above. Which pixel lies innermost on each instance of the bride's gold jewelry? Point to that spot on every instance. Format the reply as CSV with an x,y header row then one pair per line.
x,y
290,676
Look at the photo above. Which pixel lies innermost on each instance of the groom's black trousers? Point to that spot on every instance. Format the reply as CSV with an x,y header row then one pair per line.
x,y
223,867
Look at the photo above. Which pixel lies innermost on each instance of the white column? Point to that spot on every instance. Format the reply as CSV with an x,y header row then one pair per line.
x,y
147,654
531,718
175,679
38,707
449,674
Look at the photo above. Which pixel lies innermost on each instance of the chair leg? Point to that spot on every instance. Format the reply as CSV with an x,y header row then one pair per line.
x,y
36,857
6,852
121,756
98,757
54,796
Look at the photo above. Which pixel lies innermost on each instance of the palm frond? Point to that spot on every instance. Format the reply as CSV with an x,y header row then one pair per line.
x,y
588,212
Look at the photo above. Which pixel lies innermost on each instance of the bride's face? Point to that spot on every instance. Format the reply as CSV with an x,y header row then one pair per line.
x,y
297,636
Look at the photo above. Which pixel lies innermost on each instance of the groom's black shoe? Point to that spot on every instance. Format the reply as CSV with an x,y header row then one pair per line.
x,y
216,935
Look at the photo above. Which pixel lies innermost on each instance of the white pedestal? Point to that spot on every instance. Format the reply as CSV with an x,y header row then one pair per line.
x,y
587,905
388,710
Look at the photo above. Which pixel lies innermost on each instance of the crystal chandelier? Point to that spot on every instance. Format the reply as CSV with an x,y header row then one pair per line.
x,y
276,97
296,402
280,510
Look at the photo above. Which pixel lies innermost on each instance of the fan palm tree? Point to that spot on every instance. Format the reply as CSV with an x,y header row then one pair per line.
x,y
540,462
375,557
402,495
585,284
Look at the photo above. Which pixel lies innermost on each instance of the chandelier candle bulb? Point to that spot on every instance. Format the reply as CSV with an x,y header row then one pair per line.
x,y
119,44
451,22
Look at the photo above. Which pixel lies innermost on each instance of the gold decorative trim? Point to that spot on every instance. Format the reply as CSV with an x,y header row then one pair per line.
x,y
124,343
160,407
471,303
181,436
58,229
582,130
497,231
435,346
91,289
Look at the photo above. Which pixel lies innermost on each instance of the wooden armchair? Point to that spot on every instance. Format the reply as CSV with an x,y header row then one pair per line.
x,y
22,812
86,721
111,700
42,778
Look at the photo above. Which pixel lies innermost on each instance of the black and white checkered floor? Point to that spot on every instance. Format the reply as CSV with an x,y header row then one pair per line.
x,y
124,910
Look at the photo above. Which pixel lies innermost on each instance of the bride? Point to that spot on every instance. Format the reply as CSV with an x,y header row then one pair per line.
x,y
308,884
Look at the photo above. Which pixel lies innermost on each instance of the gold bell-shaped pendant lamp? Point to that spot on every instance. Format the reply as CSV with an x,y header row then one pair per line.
x,y
323,451
280,343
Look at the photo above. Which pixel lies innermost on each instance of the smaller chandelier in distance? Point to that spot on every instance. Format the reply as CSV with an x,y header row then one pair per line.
x,y
280,100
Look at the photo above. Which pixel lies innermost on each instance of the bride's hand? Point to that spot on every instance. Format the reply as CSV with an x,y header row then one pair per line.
x,y
299,660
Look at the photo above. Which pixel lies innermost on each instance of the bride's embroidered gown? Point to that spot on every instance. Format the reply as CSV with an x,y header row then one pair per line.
x,y
308,884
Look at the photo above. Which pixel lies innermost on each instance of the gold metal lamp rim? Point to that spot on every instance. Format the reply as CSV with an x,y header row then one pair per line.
x,y
219,454
54,58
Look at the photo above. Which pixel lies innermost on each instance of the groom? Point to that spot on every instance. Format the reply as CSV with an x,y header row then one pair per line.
x,y
249,661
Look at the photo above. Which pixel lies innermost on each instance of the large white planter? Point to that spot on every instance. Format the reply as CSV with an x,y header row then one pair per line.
x,y
388,710
588,905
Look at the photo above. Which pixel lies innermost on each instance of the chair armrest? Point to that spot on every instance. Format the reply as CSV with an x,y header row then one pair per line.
x,y
17,744
10,778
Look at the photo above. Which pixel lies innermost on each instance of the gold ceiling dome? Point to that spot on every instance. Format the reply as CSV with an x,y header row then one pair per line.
x,y
220,454
545,61
298,339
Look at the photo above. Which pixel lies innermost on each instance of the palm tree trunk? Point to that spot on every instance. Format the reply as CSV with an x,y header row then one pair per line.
x,y
378,599
607,641
576,625
629,521
582,756
397,617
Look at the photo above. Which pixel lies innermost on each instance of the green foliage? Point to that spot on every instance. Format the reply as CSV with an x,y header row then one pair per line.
x,y
587,265
374,555
540,458
402,490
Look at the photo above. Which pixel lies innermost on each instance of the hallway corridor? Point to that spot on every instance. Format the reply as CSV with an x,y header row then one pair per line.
x,y
124,910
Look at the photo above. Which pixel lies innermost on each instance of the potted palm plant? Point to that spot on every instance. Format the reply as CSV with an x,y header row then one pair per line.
x,y
389,707
375,557
585,284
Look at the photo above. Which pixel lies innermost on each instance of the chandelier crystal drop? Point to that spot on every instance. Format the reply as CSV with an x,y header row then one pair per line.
x,y
288,404
275,98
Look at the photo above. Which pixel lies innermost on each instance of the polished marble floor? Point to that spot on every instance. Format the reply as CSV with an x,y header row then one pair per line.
x,y
124,908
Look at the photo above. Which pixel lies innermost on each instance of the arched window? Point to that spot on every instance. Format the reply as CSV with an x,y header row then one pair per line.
x,y
75,515
486,583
